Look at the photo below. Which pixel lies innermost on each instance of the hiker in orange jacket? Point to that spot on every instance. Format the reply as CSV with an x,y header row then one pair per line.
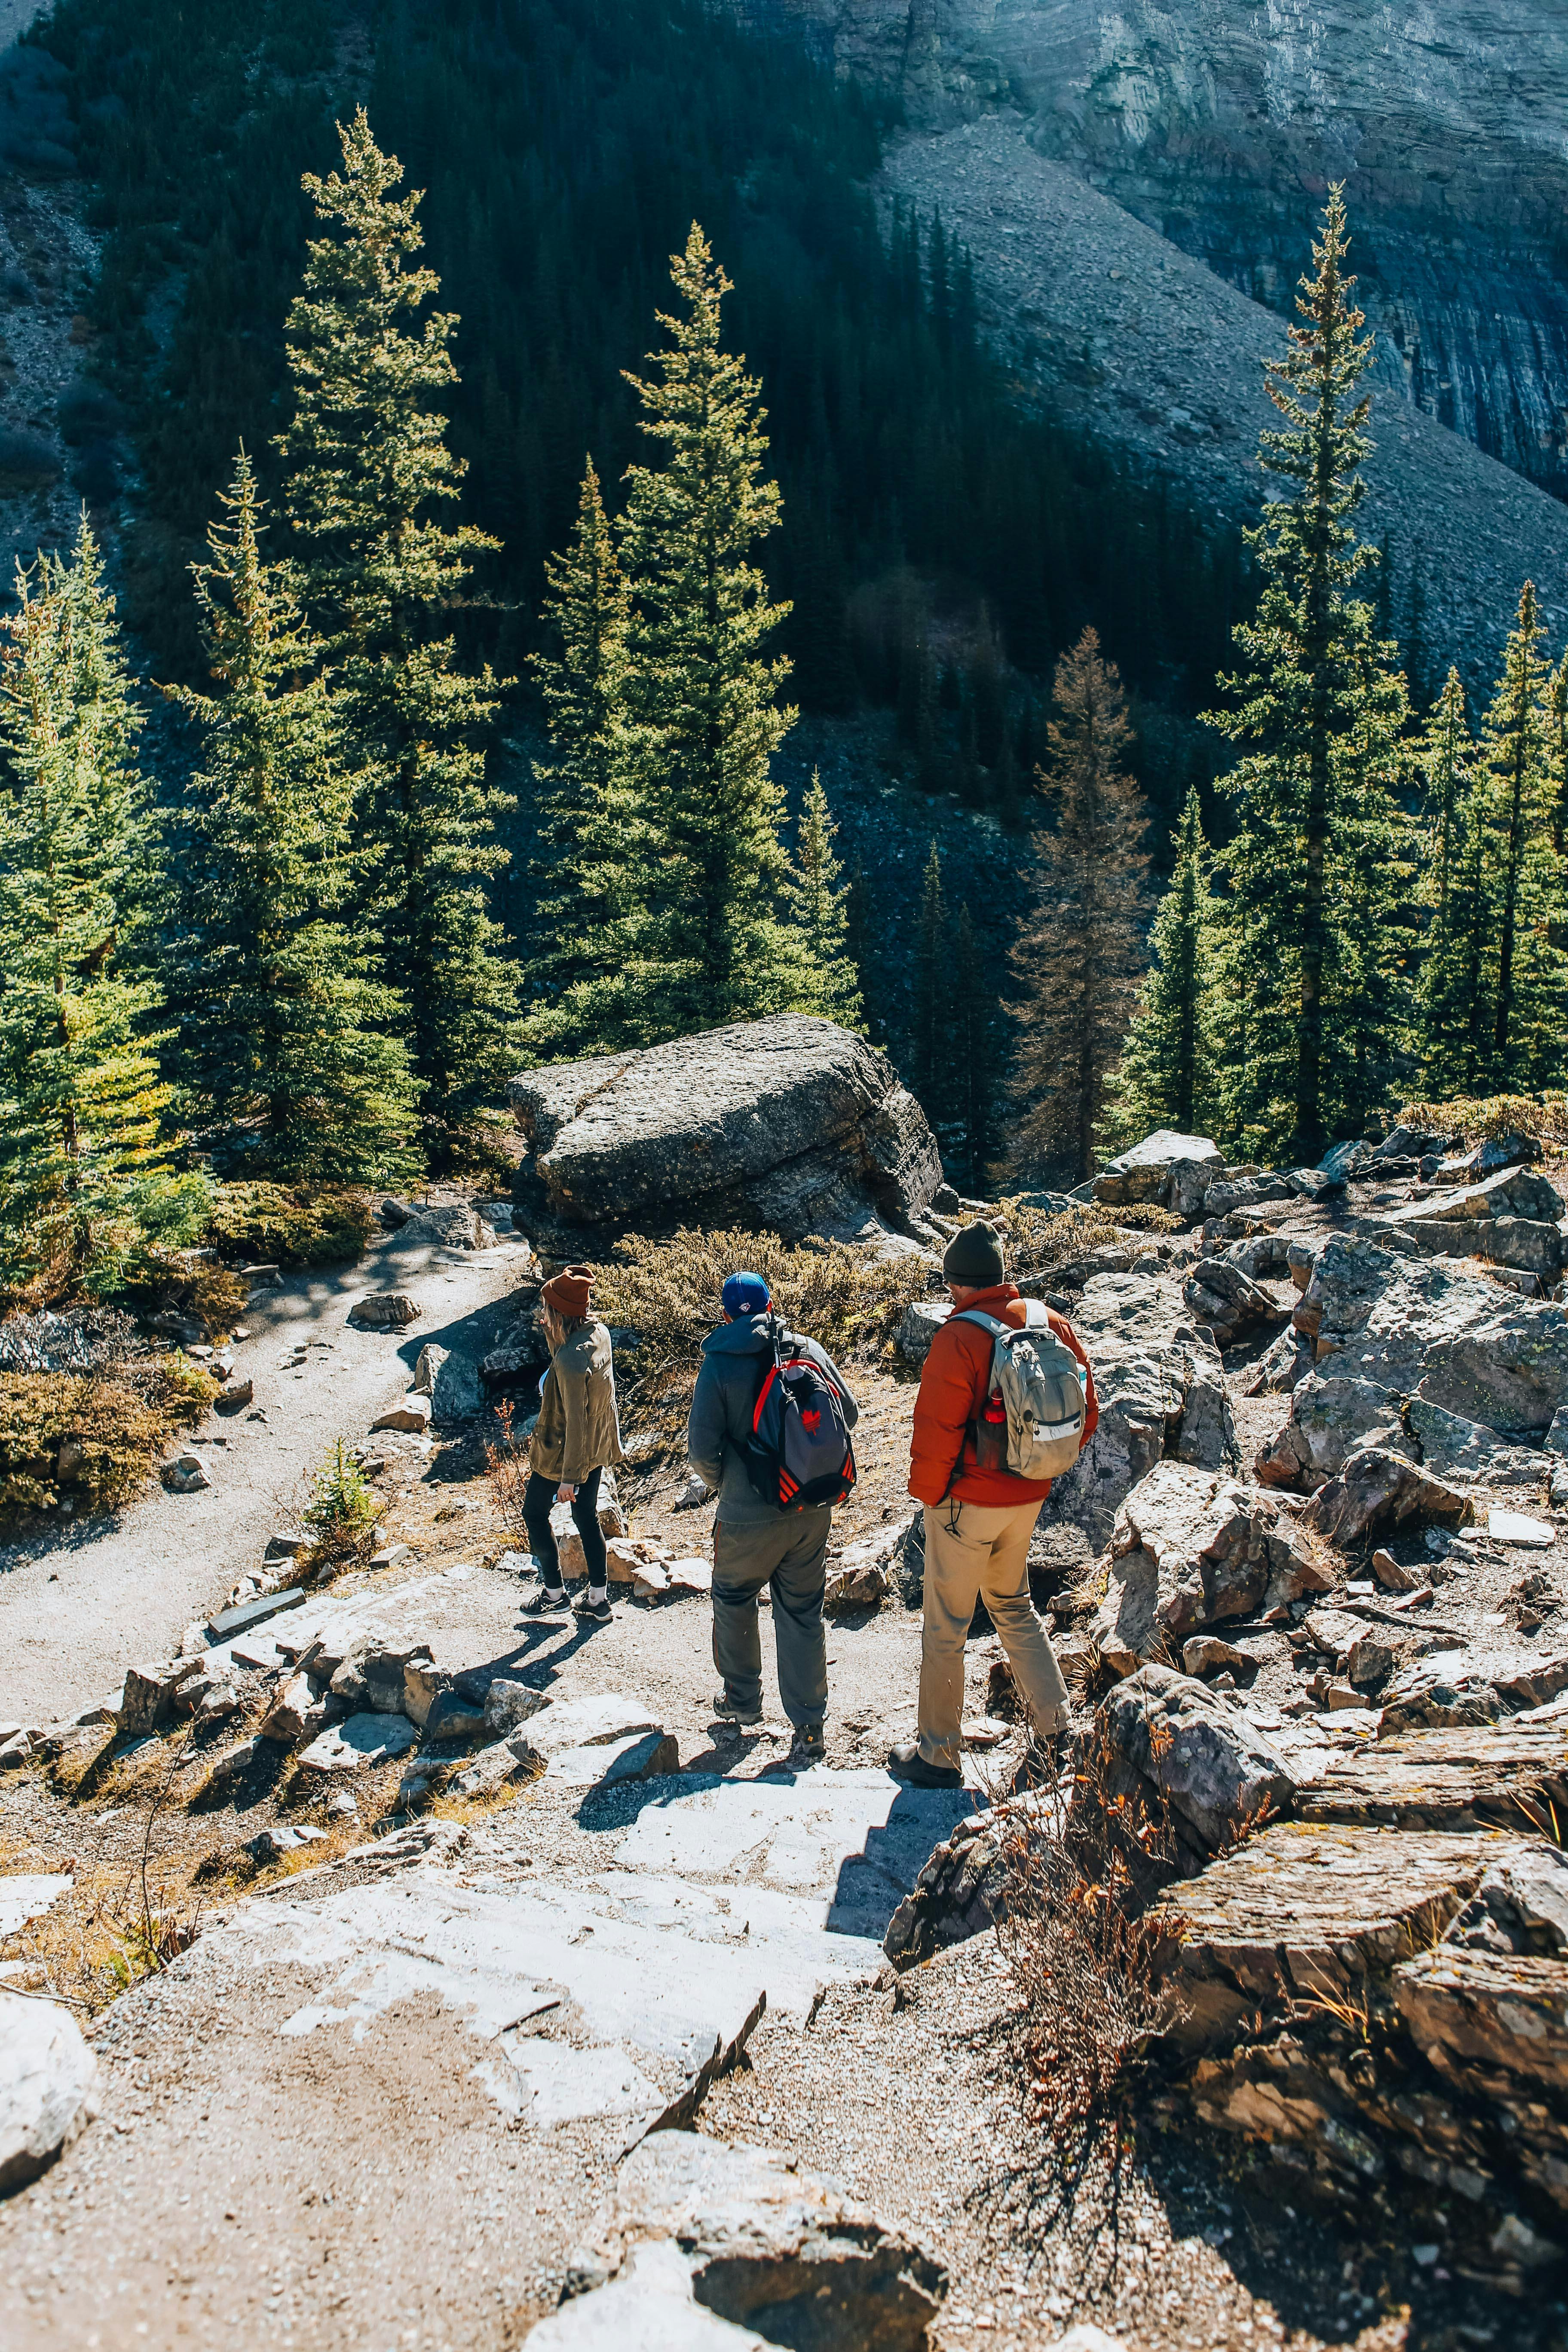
x,y
978,1521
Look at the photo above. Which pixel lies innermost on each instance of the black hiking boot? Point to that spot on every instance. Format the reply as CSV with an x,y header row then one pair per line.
x,y
549,1600
905,1763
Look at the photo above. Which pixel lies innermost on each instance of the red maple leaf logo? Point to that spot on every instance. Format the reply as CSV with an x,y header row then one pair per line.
x,y
813,1420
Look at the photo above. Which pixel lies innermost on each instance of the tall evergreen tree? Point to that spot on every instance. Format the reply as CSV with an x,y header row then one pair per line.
x,y
818,901
590,838
929,1058
1527,975
83,1175
1080,959
1370,915
704,942
1169,1075
1300,700
1451,1000
285,1060
368,462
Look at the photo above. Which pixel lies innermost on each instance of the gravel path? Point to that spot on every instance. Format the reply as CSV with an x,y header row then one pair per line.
x,y
79,1606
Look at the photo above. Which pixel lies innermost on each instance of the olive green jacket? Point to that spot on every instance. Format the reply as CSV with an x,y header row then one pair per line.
x,y
578,1431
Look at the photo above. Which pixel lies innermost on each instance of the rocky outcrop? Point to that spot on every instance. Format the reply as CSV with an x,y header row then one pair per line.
x,y
1190,1548
1162,1392
1216,1772
792,1124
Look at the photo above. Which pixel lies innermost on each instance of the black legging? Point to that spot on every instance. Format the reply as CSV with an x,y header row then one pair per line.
x,y
540,1536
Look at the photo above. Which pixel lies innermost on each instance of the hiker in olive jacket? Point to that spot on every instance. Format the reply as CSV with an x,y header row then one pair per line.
x,y
576,1436
754,1543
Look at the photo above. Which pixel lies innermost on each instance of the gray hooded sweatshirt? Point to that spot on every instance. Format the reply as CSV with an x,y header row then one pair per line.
x,y
732,1360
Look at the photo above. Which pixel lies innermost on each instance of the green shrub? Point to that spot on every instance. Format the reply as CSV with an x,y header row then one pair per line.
x,y
340,1514
288,1227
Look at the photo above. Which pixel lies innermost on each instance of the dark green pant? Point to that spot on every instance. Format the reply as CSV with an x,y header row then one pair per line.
x,y
789,1554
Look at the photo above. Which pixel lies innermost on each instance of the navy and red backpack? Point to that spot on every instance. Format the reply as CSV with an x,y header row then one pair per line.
x,y
798,1453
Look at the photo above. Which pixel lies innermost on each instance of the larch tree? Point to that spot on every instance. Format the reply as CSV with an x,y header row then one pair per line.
x,y
707,942
368,466
1298,701
287,1060
818,901
84,1177
1081,957
1526,975
1169,1072
591,843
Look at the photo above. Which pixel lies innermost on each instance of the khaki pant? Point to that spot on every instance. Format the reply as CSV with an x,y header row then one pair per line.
x,y
987,1557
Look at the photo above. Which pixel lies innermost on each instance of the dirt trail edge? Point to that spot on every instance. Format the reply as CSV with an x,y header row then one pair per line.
x,y
79,1606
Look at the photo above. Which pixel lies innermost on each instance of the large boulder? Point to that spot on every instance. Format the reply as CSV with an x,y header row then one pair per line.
x,y
791,1123
1330,1418
1377,1491
1190,1548
1228,1300
1214,1768
1424,1326
1162,1392
1172,1170
48,2085
1511,1193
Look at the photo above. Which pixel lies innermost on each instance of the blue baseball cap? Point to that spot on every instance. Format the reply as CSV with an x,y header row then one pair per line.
x,y
745,1294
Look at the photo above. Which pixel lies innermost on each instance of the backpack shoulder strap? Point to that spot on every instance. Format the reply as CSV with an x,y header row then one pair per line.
x,y
997,1329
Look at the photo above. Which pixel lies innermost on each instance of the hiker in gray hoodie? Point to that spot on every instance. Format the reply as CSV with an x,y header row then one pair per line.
x,y
754,1544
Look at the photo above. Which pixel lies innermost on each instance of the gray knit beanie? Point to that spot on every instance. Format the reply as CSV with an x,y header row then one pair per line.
x,y
974,1258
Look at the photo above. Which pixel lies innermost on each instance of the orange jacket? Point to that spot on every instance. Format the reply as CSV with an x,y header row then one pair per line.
x,y
953,1387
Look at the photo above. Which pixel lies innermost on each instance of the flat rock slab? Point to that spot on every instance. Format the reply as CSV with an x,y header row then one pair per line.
x,y
358,1745
1501,2012
863,1837
1480,1684
24,1897
1303,1913
1455,1777
48,2086
1517,1527
615,1996
591,1722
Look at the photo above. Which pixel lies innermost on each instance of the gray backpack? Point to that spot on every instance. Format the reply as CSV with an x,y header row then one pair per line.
x,y
1032,1422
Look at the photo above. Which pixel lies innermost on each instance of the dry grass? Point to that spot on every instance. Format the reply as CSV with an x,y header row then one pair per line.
x,y
1077,1866
1038,1242
1475,1117
668,1293
507,1465
98,1434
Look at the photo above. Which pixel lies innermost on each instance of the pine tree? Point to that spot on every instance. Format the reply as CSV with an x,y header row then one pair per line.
x,y
367,461
1450,998
1526,975
705,943
818,901
1169,1075
1557,754
1370,915
1300,700
83,1168
588,830
1082,957
930,1048
285,1065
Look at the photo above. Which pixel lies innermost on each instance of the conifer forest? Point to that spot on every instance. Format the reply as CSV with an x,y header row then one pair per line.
x,y
502,468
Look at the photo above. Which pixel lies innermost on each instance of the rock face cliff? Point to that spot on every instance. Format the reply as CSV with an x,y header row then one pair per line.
x,y
1104,167
1220,125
